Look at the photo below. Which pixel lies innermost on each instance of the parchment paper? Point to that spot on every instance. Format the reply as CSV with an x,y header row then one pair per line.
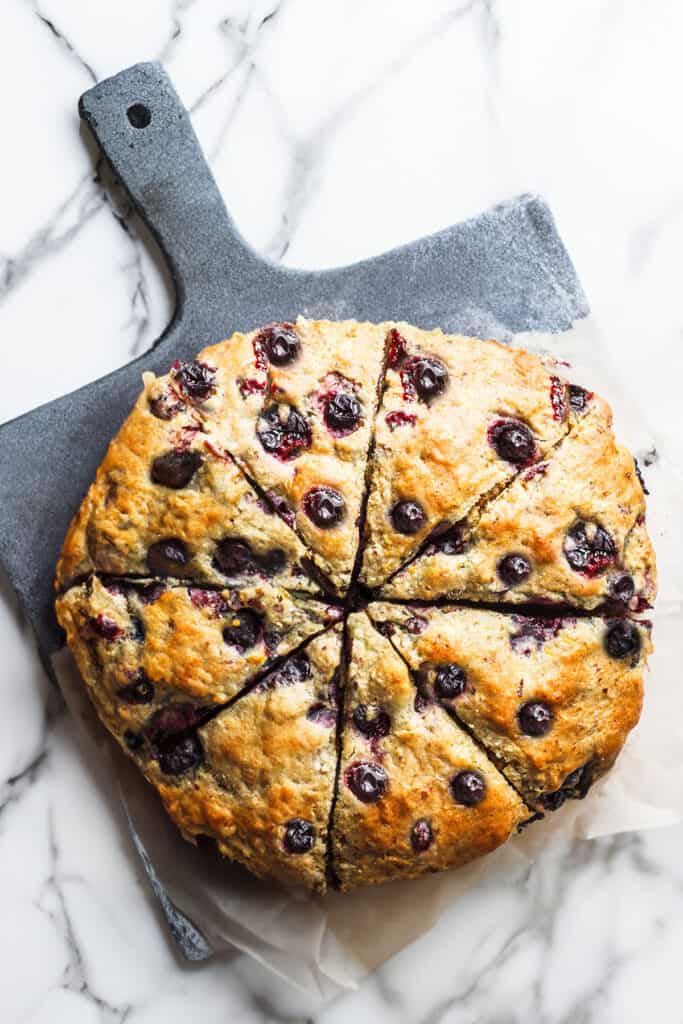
x,y
324,945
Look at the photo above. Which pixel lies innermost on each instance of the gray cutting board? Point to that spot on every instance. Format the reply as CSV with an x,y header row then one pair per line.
x,y
502,272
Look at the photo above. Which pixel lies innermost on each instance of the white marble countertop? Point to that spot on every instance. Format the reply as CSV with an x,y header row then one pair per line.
x,y
335,130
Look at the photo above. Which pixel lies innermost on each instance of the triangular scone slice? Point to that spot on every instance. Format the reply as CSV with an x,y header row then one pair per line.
x,y
570,530
458,419
259,778
415,793
551,700
167,501
295,405
143,646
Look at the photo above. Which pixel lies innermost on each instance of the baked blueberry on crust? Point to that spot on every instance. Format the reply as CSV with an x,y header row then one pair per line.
x,y
361,599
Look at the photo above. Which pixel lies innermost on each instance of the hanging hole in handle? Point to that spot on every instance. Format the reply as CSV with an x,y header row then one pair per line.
x,y
139,115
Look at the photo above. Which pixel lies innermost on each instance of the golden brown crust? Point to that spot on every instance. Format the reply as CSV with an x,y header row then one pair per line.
x,y
442,456
587,479
420,755
509,661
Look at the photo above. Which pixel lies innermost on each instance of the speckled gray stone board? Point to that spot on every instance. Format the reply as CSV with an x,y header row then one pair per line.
x,y
502,272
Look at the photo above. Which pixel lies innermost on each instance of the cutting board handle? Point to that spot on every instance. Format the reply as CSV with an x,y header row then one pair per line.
x,y
145,133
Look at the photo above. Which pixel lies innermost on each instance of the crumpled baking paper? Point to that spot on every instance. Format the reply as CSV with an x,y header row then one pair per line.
x,y
325,945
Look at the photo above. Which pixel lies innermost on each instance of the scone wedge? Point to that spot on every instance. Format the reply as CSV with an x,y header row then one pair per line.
x,y
167,501
258,778
459,417
568,530
551,700
294,404
415,792
143,646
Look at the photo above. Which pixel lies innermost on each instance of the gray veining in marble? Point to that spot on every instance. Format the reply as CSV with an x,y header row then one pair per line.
x,y
578,102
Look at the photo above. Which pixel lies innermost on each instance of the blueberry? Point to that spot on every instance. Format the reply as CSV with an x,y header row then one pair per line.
x,y
137,629
244,630
295,669
324,506
450,681
234,557
371,721
167,557
589,549
574,787
448,540
535,718
468,788
513,441
421,836
429,376
165,406
367,781
342,411
105,627
281,343
623,588
622,640
408,517
299,836
180,754
285,438
322,714
272,562
147,593
195,379
140,691
133,740
578,397
514,569
173,719
175,469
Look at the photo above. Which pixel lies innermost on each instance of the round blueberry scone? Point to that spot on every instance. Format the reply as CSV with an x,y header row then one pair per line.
x,y
360,600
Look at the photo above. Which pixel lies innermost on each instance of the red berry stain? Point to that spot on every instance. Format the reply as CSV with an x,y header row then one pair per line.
x,y
250,386
533,633
416,625
183,438
209,599
281,507
398,349
217,452
539,469
399,419
558,399
260,356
